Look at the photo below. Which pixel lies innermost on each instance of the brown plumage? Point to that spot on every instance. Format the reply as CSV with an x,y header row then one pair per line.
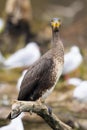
x,y
43,75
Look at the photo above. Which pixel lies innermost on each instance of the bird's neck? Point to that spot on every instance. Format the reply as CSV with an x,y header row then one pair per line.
x,y
57,46
56,38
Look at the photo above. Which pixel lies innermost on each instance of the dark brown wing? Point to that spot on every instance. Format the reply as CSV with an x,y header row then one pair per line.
x,y
35,80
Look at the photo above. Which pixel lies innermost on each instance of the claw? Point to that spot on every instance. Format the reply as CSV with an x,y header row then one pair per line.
x,y
49,110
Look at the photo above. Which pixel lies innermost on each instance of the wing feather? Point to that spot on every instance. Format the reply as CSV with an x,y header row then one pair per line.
x,y
31,85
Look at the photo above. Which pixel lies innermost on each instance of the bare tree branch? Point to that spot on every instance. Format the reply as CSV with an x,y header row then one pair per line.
x,y
41,110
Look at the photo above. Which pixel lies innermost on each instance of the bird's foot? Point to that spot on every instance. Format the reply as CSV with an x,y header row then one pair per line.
x,y
42,101
49,110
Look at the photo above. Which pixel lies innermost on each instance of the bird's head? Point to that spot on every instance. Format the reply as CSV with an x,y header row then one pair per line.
x,y
56,23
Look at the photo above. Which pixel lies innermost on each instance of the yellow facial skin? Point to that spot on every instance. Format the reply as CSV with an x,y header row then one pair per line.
x,y
56,24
